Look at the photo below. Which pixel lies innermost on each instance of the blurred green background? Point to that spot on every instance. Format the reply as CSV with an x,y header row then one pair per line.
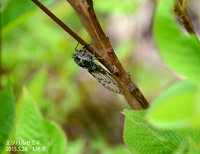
x,y
36,53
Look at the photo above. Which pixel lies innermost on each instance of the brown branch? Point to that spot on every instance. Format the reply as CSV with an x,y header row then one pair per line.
x,y
68,30
131,92
183,15
59,22
105,52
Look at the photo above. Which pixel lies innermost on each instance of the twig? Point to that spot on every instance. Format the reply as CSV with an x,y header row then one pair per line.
x,y
68,30
183,15
131,92
59,22
105,52
183,5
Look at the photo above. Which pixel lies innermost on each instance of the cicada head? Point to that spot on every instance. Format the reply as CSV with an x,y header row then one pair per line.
x,y
82,59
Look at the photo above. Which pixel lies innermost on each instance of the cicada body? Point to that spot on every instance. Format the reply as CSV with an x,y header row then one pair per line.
x,y
86,60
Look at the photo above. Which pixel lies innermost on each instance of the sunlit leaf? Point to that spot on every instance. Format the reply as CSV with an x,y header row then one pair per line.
x,y
176,107
180,52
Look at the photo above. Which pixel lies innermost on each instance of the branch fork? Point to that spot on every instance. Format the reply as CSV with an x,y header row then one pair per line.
x,y
103,52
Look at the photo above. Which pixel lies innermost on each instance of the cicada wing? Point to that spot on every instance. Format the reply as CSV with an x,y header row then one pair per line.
x,y
85,60
107,81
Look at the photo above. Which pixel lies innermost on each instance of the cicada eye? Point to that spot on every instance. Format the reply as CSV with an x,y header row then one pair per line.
x,y
74,56
77,59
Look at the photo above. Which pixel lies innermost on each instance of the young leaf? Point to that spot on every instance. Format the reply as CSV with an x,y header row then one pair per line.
x,y
141,137
32,127
180,52
30,124
176,107
57,139
7,115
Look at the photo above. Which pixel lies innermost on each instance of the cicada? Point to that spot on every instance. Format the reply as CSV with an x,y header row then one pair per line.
x,y
86,60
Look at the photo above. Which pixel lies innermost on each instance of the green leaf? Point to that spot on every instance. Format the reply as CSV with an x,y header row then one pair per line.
x,y
37,84
176,107
112,6
32,127
10,26
7,115
140,137
180,52
194,134
193,148
15,12
56,137
181,150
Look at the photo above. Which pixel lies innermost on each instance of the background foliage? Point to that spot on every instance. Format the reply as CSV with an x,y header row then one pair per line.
x,y
54,101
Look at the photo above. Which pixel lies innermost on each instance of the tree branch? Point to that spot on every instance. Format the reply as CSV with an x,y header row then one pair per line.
x,y
183,15
69,31
84,9
104,53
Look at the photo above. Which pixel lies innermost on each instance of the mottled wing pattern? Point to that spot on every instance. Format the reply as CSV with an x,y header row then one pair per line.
x,y
85,60
107,81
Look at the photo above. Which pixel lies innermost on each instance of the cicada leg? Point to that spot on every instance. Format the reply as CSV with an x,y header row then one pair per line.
x,y
80,50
